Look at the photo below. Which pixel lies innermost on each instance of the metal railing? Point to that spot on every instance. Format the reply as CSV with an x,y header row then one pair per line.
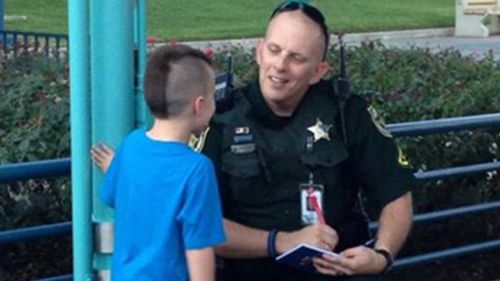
x,y
61,167
17,43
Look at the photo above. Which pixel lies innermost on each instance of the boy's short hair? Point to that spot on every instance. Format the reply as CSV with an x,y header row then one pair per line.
x,y
175,74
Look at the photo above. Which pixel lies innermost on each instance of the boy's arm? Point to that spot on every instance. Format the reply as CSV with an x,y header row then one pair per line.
x,y
201,264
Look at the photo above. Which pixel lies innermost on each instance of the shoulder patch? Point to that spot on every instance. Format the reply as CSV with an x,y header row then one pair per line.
x,y
198,143
402,159
379,123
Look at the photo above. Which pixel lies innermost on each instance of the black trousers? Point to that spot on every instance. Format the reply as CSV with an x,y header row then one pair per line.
x,y
269,270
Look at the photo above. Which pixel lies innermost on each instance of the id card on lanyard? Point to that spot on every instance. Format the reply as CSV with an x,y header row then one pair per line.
x,y
311,202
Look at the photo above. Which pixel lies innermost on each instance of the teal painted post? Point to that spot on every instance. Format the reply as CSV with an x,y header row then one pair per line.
x,y
112,90
143,117
79,58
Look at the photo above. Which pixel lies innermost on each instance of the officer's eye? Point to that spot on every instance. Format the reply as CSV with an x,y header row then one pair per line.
x,y
274,49
298,58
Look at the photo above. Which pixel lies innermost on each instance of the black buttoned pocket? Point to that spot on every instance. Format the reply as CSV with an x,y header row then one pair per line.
x,y
244,174
240,165
325,154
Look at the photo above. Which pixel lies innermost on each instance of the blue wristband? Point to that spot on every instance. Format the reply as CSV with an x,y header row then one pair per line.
x,y
271,243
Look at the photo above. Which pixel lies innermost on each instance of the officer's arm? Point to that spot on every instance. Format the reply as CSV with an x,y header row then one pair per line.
x,y
242,241
395,224
246,242
375,156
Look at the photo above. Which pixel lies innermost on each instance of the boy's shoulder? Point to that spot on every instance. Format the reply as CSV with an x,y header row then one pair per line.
x,y
135,135
133,140
201,159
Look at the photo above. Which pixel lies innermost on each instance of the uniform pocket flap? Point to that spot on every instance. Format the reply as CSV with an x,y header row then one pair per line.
x,y
325,154
240,165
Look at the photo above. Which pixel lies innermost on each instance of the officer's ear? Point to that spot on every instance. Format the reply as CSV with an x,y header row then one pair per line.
x,y
259,49
321,69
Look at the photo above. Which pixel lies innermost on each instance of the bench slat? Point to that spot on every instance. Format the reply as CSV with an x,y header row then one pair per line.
x,y
481,2
481,7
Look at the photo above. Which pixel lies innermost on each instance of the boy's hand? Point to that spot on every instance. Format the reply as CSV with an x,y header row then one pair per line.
x,y
102,155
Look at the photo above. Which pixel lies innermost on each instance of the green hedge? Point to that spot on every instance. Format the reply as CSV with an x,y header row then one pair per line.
x,y
403,85
34,125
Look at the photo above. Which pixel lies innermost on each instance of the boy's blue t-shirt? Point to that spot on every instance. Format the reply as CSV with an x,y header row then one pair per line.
x,y
166,200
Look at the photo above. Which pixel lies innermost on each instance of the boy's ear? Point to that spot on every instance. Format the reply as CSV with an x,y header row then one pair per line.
x,y
197,104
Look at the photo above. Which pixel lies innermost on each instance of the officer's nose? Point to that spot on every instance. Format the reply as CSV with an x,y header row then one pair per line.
x,y
280,63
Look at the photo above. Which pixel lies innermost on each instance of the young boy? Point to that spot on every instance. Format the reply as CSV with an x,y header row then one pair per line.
x,y
165,196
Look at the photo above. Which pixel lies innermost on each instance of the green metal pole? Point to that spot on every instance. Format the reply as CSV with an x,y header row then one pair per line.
x,y
79,54
112,101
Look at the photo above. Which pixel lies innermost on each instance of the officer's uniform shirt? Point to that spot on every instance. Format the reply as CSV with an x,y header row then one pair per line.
x,y
261,159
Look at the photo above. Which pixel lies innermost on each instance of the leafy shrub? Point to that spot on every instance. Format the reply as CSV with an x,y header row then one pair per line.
x,y
34,110
34,126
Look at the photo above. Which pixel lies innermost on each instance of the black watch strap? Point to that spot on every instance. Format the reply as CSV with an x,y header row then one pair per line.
x,y
388,258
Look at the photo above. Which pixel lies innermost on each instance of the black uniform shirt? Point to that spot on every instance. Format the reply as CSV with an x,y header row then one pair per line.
x,y
261,159
260,187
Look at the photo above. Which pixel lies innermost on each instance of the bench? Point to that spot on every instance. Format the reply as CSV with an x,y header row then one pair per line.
x,y
477,18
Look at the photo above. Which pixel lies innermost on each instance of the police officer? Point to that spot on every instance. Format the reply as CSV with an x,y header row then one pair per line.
x,y
292,156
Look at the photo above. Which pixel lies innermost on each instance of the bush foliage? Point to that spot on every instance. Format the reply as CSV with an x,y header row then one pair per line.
x,y
34,125
403,85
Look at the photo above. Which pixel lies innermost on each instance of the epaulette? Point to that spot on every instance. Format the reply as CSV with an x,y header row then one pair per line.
x,y
341,88
224,95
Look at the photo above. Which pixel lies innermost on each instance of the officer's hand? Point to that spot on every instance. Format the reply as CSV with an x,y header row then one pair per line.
x,y
319,235
102,155
353,261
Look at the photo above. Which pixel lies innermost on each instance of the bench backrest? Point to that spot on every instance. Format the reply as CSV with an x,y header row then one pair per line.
x,y
479,6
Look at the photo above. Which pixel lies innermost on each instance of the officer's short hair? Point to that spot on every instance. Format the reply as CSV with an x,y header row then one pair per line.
x,y
175,74
312,13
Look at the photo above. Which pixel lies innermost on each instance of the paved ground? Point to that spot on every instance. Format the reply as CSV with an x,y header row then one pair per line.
x,y
435,39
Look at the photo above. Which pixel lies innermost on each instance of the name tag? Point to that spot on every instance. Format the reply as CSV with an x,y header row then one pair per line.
x,y
243,148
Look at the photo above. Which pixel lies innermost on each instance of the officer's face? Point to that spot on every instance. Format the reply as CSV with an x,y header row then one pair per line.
x,y
289,60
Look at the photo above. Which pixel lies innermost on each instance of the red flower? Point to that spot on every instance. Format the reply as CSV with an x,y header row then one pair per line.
x,y
209,52
152,40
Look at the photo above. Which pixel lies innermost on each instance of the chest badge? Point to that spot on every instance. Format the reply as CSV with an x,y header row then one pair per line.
x,y
320,130
243,141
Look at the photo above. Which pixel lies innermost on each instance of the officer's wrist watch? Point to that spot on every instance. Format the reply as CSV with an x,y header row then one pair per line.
x,y
389,260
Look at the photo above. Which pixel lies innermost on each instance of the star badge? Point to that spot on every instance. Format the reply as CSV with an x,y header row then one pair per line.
x,y
320,130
